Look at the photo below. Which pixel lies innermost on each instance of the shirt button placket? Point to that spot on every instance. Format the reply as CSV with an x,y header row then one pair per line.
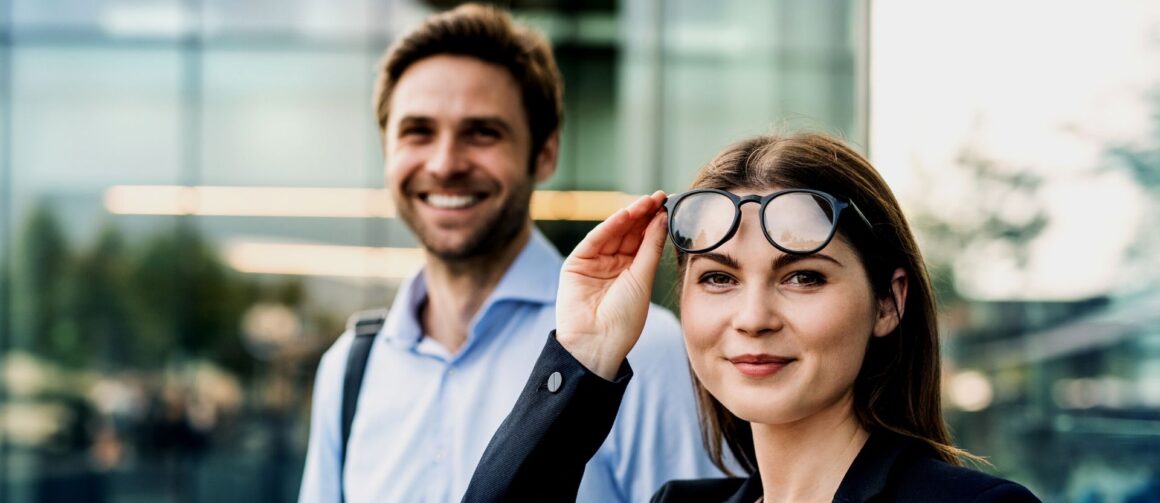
x,y
440,456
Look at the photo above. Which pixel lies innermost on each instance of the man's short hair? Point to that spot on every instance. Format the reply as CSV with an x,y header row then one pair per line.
x,y
489,34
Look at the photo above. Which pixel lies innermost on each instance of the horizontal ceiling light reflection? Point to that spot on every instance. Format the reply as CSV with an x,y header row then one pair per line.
x,y
326,202
248,201
577,205
324,260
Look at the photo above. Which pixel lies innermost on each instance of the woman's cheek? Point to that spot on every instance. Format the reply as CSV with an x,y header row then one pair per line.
x,y
702,325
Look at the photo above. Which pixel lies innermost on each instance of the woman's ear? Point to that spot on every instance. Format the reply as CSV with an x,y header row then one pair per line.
x,y
892,307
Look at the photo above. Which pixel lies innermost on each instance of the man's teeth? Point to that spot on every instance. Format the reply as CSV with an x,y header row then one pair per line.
x,y
447,201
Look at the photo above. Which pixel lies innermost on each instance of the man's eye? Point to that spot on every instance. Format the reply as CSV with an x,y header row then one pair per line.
x,y
483,134
415,131
806,278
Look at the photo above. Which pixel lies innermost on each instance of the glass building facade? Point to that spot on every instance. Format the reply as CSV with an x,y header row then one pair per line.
x,y
190,204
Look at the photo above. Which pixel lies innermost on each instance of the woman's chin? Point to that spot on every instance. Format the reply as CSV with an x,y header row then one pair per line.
x,y
761,409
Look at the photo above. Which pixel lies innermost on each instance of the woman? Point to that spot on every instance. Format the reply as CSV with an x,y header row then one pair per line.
x,y
810,327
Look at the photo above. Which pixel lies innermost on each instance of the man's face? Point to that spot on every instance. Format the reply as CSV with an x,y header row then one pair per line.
x,y
457,152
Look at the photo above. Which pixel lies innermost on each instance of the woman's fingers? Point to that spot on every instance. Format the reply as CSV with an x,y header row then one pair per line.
x,y
636,212
644,266
599,236
621,232
649,207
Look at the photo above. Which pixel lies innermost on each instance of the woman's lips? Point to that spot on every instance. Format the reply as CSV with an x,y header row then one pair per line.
x,y
760,365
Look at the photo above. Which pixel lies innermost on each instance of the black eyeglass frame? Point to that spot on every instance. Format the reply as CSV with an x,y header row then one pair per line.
x,y
838,205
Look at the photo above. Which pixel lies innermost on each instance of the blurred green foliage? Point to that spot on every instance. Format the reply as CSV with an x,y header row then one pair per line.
x,y
123,305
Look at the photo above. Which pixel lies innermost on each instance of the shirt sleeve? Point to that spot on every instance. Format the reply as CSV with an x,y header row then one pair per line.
x,y
657,436
559,421
321,481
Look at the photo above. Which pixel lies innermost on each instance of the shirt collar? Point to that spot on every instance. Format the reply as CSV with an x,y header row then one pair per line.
x,y
531,278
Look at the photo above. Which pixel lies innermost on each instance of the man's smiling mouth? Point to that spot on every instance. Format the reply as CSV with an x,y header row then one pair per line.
x,y
450,201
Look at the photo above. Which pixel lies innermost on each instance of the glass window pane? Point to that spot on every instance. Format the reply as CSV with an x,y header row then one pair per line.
x,y
85,117
105,16
288,119
343,19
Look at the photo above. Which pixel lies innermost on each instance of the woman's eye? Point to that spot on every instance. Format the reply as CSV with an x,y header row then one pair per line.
x,y
806,278
716,279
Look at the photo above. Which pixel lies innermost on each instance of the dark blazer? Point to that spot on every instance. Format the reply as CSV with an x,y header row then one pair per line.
x,y
890,467
565,412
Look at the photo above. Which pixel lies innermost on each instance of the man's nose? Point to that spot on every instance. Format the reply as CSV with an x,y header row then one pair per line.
x,y
447,159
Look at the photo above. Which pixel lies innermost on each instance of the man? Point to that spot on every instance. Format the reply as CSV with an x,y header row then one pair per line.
x,y
469,107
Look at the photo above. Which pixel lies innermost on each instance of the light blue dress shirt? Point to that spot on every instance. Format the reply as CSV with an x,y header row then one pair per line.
x,y
425,415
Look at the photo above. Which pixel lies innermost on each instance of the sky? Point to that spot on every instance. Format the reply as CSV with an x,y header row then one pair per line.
x,y
1034,85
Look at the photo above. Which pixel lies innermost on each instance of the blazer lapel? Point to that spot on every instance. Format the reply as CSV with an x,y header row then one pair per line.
x,y
748,492
866,478
870,470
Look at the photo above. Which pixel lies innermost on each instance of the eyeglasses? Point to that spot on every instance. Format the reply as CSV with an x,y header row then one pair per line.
x,y
798,221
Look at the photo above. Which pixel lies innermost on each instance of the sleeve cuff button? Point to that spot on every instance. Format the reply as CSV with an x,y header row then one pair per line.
x,y
554,382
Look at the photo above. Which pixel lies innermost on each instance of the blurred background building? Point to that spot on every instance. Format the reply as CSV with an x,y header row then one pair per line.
x,y
191,205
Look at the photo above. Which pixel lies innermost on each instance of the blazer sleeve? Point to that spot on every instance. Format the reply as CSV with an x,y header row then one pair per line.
x,y
559,421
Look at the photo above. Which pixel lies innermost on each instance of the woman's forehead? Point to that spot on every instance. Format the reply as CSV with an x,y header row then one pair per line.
x,y
746,190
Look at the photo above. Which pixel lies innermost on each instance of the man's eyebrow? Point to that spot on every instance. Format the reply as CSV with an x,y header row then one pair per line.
x,y
787,259
495,122
414,119
720,258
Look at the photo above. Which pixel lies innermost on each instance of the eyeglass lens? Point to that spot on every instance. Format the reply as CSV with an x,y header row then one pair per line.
x,y
796,221
702,220
799,221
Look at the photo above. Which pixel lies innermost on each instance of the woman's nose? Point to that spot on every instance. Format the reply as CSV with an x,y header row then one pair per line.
x,y
756,313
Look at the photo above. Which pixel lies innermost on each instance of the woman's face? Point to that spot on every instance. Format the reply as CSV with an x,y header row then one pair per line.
x,y
777,338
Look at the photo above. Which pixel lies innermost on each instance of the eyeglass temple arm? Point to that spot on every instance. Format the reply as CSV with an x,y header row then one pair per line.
x,y
861,215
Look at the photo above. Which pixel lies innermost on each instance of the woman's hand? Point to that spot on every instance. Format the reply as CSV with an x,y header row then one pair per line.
x,y
606,284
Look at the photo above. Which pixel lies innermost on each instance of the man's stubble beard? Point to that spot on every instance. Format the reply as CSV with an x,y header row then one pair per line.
x,y
487,240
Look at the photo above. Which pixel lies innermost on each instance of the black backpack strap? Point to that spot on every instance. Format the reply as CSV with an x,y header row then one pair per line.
x,y
365,326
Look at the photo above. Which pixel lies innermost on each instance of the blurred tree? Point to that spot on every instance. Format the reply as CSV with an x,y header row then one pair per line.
x,y
43,264
1141,161
998,204
188,294
115,306
100,304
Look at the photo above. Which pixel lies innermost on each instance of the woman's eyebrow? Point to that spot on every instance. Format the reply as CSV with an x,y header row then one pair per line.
x,y
720,258
787,259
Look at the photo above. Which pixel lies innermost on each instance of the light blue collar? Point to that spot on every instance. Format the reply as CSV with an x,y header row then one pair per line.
x,y
532,278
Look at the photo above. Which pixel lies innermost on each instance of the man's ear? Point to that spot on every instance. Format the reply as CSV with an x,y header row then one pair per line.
x,y
545,164
893,306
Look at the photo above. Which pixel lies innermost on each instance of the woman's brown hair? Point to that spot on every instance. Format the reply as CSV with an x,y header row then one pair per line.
x,y
897,388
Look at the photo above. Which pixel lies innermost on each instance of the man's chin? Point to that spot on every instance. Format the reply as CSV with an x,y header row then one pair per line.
x,y
464,243
454,249
448,254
